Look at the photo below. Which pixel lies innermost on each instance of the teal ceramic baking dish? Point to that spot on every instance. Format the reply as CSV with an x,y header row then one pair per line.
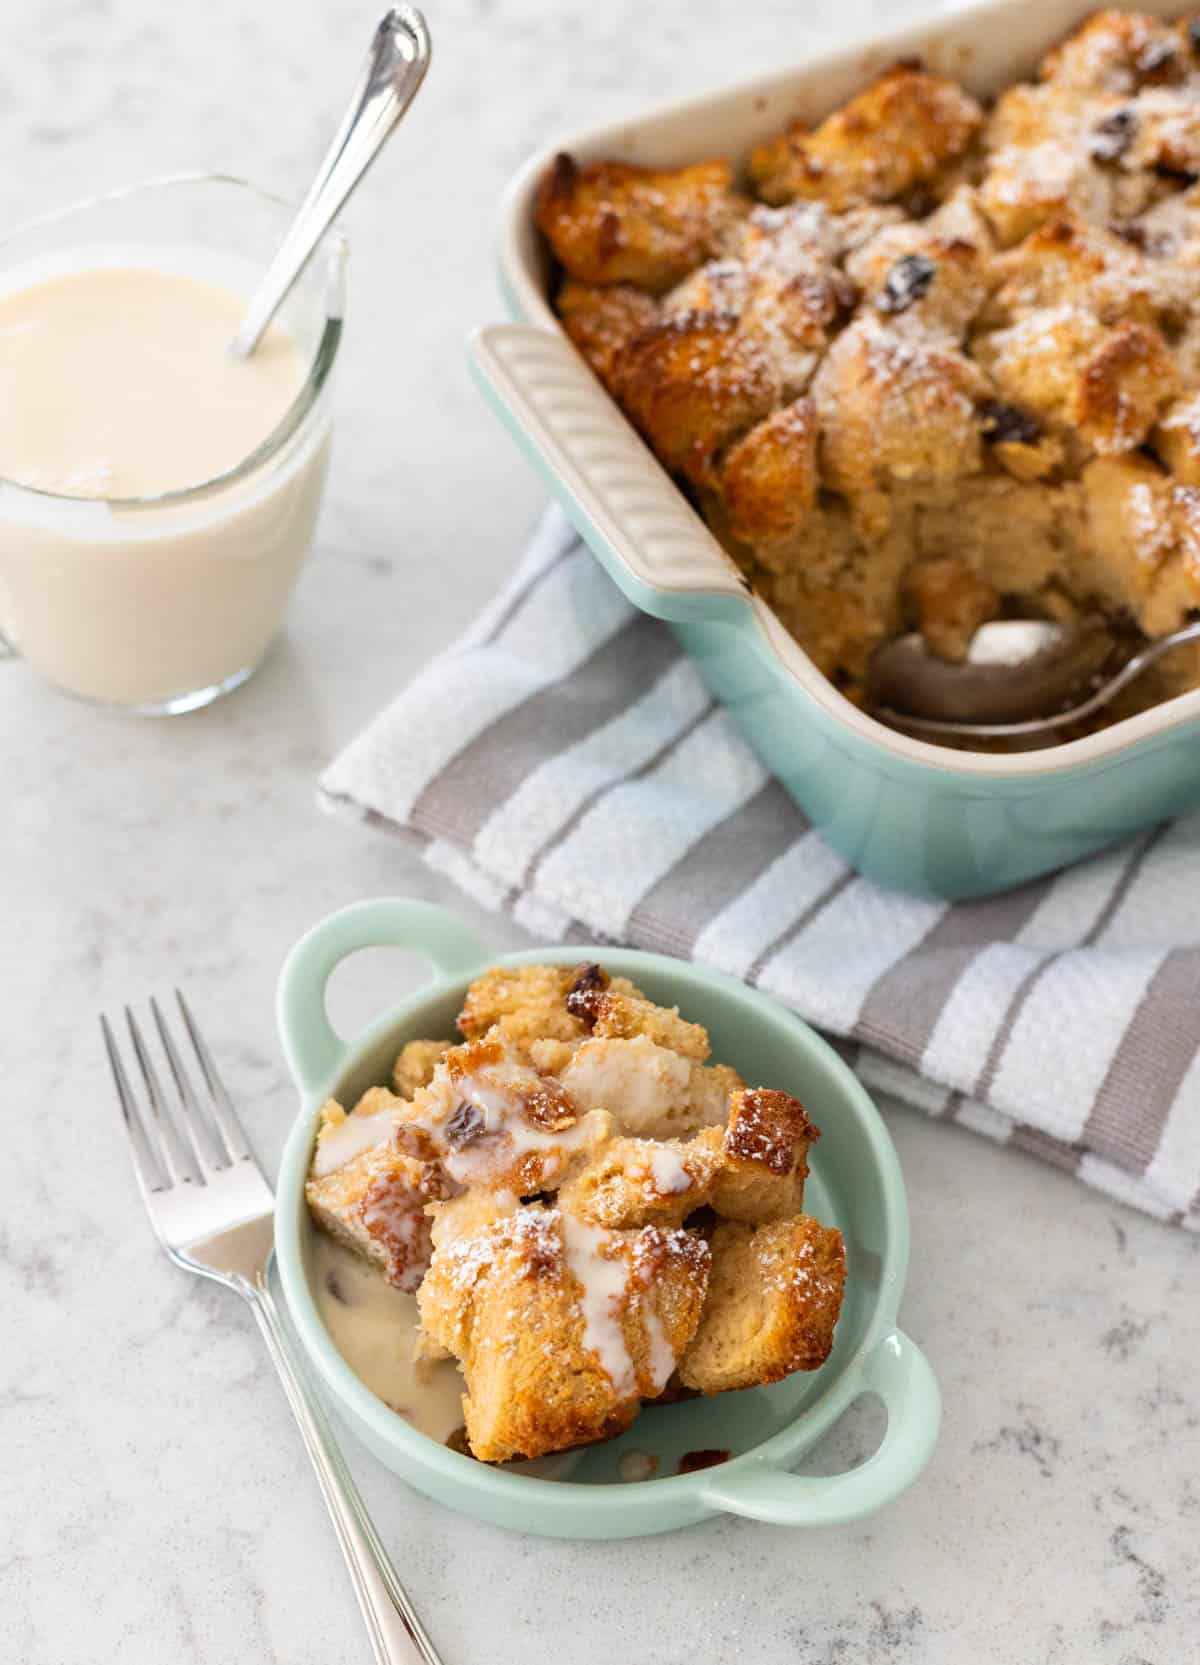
x,y
855,1185
912,815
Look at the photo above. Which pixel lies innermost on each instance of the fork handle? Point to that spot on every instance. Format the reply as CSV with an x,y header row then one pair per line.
x,y
397,1635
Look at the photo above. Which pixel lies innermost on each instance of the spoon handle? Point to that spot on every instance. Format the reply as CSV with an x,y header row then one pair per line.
x,y
391,76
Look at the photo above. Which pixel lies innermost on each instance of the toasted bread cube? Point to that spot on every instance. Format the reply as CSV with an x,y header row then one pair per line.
x,y
533,1007
561,1329
691,384
768,481
614,222
897,133
950,601
375,1206
644,1182
1035,169
648,1089
602,320
1176,439
764,1157
895,409
1130,531
780,282
1123,386
1175,593
415,1065
953,270
623,1012
774,1295
525,1003
1115,52
488,1119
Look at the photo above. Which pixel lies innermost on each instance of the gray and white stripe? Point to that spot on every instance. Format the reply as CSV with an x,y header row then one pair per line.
x,y
565,762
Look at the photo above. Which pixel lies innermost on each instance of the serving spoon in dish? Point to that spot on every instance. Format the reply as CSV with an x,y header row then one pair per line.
x,y
390,80
1020,677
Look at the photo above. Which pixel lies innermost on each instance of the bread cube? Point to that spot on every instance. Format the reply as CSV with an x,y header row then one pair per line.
x,y
415,1065
764,1157
561,1328
648,1089
614,222
898,133
643,1182
774,1295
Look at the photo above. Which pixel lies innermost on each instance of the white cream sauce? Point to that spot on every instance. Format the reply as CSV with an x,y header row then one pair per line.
x,y
604,1281
668,1171
119,382
374,1328
341,1144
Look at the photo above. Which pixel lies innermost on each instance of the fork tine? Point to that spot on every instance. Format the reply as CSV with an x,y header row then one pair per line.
x,y
223,1112
146,1165
193,1116
176,1159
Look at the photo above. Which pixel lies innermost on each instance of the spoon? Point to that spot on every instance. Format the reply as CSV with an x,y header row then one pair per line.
x,y
1020,677
390,79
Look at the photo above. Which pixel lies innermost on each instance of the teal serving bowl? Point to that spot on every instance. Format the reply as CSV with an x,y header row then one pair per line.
x,y
912,815
855,1185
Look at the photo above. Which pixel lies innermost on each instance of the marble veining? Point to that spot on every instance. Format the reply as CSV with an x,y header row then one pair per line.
x,y
156,1504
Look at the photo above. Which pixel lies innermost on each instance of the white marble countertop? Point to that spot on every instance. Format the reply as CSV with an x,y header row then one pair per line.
x,y
157,1505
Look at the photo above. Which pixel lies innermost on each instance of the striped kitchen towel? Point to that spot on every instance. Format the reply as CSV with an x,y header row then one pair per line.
x,y
565,762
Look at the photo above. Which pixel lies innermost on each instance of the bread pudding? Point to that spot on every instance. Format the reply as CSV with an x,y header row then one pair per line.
x,y
592,1215
927,363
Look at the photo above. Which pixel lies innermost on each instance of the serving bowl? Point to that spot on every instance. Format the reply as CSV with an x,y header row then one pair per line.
x,y
910,814
855,1184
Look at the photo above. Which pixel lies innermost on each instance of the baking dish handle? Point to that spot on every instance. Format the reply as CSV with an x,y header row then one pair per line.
x,y
313,1049
651,541
898,1371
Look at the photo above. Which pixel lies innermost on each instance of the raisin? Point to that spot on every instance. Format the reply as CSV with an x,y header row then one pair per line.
x,y
1008,424
1130,232
465,1124
907,281
706,1458
1112,137
583,997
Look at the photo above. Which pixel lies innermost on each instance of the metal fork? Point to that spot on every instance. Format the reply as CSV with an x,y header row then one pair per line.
x,y
211,1209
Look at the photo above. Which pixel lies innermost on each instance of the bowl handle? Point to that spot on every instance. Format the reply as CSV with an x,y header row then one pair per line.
x,y
651,541
314,1051
898,1371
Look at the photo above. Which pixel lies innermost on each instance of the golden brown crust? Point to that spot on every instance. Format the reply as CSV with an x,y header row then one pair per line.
x,y
774,1295
764,1158
415,1065
768,481
898,133
692,384
613,222
949,600
600,321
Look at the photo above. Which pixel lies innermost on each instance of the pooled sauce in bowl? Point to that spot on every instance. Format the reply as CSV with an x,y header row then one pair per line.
x,y
374,1328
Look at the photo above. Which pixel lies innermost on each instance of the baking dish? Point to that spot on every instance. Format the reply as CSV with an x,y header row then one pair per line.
x,y
855,1184
912,815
